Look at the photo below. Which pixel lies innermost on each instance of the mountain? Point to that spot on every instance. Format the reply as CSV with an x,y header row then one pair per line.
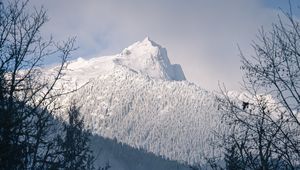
x,y
145,58
140,99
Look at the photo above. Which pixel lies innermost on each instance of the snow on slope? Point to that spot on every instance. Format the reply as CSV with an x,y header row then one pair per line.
x,y
146,58
151,59
133,97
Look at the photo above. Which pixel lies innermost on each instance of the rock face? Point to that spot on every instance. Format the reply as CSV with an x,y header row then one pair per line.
x,y
139,98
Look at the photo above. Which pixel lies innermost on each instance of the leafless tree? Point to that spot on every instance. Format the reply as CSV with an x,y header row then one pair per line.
x,y
27,98
264,124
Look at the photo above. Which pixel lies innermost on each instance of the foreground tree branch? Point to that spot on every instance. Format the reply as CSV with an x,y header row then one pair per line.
x,y
27,97
263,122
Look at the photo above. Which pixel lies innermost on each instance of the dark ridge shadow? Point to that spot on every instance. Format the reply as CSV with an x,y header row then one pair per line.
x,y
124,157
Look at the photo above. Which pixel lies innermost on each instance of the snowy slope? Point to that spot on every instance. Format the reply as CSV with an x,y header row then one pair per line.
x,y
145,57
139,98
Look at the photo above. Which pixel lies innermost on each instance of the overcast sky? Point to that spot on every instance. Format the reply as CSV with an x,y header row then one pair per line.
x,y
200,35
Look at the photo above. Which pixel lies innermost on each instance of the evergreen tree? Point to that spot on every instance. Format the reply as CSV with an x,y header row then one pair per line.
x,y
76,151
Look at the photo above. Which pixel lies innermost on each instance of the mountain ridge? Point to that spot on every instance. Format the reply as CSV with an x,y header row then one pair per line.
x,y
143,57
135,98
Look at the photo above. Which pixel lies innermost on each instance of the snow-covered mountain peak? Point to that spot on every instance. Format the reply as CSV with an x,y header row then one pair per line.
x,y
145,57
148,41
145,46
149,58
